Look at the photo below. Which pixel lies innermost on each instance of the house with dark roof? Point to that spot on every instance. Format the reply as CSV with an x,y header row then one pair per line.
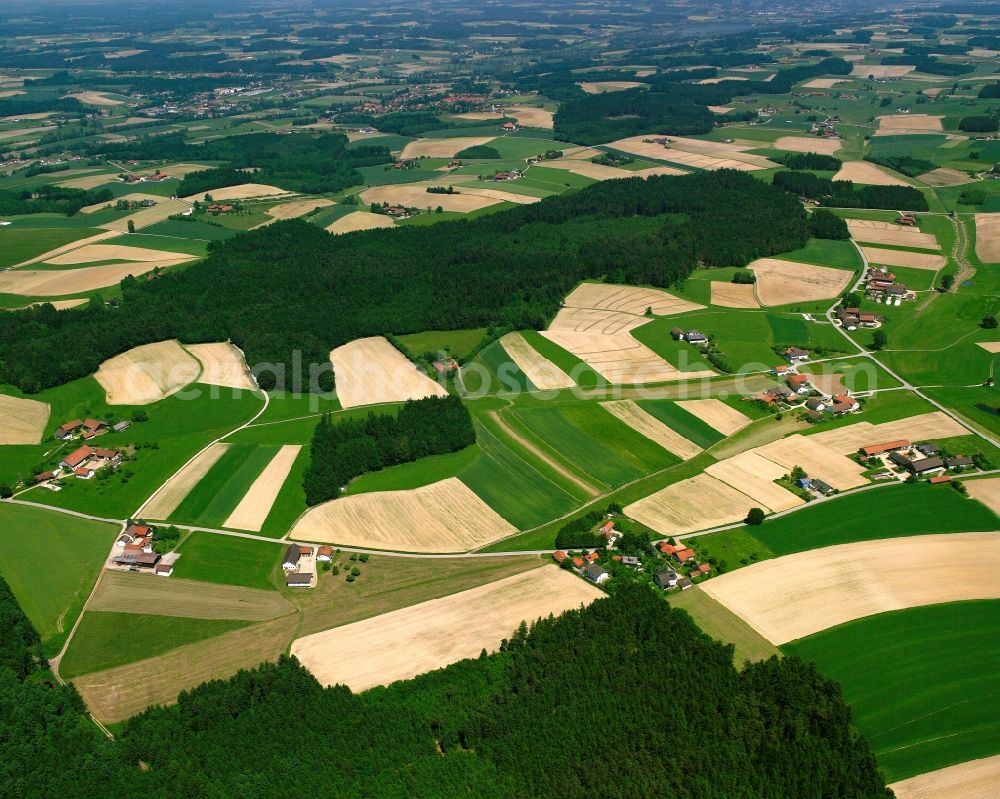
x,y
796,354
684,583
298,580
927,448
959,462
815,404
666,578
695,337
596,574
67,429
292,555
676,333
927,465
120,426
822,487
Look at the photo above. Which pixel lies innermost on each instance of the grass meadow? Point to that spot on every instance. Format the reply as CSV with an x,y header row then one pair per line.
x,y
21,244
720,623
216,495
682,421
457,342
229,560
921,682
51,562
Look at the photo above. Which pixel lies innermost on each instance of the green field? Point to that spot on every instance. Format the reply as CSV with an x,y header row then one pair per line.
x,y
885,512
105,640
584,375
922,682
413,475
458,343
723,625
979,404
492,372
826,252
229,560
22,244
594,443
216,495
157,242
682,421
51,561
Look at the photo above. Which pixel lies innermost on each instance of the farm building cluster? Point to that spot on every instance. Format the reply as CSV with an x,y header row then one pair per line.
x,y
299,564
134,551
85,461
801,391
901,459
153,177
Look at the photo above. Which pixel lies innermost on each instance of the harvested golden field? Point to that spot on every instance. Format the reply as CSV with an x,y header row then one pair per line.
x,y
530,117
986,491
913,260
253,509
244,191
823,83
988,238
116,694
94,98
881,70
720,79
146,374
807,144
894,124
694,504
694,152
445,516
716,414
59,305
652,428
733,295
603,86
499,194
754,475
128,592
974,779
371,370
797,595
932,425
22,421
180,170
990,346
868,173
150,216
875,232
296,208
10,93
412,195
783,282
222,365
404,643
442,148
72,245
359,220
53,282
591,170
945,177
172,493
18,132
114,252
543,374
628,299
719,109
818,460
89,182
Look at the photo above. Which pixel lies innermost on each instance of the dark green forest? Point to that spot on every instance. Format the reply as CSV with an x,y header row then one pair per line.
x,y
625,698
347,448
845,194
51,199
291,287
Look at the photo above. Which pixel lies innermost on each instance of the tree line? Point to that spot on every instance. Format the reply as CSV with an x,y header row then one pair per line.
x,y
51,199
681,717
845,194
343,449
291,287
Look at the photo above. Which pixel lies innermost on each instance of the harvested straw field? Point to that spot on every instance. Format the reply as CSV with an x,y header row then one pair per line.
x,y
694,152
974,779
53,282
148,216
594,171
753,475
13,134
445,516
894,124
807,144
733,295
990,346
59,305
543,374
720,109
180,170
296,208
244,191
988,238
720,79
652,428
819,461
530,117
116,694
823,83
875,232
94,98
371,370
442,148
783,282
913,260
128,592
603,86
253,509
868,173
407,642
146,374
881,70
499,194
71,245
694,504
172,493
89,182
22,421
412,195
797,595
932,425
222,365
716,414
359,220
945,177
10,93
628,299
986,491
113,252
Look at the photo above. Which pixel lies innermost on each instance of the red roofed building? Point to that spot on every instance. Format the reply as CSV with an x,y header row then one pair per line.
x,y
77,457
83,472
941,478
559,556
669,549
67,429
593,556
888,446
607,527
684,555
578,562
798,383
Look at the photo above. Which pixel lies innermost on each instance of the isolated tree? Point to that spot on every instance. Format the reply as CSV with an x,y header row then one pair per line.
x,y
879,339
947,282
6,492
755,517
989,322
131,226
